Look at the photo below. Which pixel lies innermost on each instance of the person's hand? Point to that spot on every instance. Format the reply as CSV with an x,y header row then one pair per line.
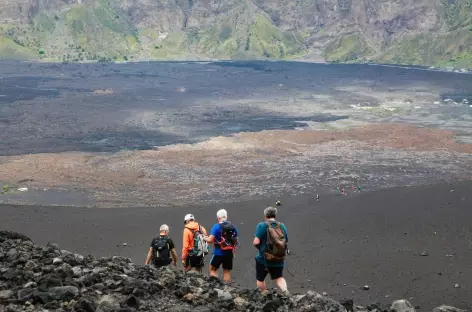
x,y
184,263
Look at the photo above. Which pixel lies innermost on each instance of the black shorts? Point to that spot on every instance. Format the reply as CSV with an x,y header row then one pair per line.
x,y
194,261
226,260
262,271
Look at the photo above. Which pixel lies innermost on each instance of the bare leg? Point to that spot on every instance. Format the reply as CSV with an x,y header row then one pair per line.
x,y
226,275
281,283
213,271
261,285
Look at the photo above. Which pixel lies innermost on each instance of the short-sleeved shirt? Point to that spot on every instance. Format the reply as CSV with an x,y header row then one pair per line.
x,y
169,241
261,233
216,231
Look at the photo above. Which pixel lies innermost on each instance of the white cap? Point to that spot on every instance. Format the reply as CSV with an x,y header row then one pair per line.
x,y
189,217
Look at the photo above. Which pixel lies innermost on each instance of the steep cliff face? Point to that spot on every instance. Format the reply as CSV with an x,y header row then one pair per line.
x,y
401,31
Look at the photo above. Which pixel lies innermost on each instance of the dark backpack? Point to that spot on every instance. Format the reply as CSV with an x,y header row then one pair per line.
x,y
160,251
228,236
276,242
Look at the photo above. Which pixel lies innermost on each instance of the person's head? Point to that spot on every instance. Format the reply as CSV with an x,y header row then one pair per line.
x,y
188,218
221,215
164,229
270,212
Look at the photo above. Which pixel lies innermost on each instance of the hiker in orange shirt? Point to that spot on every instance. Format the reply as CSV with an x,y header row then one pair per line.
x,y
195,248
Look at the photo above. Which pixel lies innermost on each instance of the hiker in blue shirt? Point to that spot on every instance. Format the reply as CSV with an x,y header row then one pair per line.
x,y
224,236
271,241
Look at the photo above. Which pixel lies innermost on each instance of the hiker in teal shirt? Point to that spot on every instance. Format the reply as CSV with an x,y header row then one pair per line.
x,y
264,266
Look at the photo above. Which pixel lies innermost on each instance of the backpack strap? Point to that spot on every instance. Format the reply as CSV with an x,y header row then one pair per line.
x,y
270,222
218,243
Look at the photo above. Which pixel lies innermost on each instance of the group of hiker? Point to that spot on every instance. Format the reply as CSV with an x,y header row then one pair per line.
x,y
270,239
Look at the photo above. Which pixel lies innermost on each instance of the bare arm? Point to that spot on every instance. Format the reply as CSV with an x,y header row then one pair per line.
x,y
185,244
256,242
173,253
149,256
210,239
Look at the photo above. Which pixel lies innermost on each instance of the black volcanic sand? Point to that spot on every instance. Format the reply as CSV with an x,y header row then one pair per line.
x,y
50,108
338,244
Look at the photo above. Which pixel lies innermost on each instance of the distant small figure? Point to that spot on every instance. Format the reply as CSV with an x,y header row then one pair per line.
x,y
342,191
317,197
278,203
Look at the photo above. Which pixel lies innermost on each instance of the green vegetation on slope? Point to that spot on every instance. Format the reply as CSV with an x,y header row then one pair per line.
x,y
451,49
96,31
11,50
457,13
84,32
350,47
270,41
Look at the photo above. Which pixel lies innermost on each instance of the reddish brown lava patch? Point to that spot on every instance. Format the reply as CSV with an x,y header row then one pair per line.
x,y
232,166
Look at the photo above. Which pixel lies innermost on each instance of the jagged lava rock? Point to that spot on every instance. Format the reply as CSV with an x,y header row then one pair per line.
x,y
40,278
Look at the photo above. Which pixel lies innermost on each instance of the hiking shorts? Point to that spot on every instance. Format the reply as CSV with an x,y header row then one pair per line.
x,y
262,271
194,261
226,260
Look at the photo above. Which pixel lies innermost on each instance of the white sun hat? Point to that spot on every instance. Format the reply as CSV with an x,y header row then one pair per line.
x,y
189,217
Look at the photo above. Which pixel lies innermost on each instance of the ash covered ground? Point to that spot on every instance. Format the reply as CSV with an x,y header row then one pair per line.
x,y
149,134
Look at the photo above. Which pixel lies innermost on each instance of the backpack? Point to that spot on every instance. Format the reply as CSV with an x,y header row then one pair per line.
x,y
228,236
200,246
161,252
276,243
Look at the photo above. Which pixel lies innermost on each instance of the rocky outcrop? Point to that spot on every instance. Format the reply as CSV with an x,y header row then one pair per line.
x,y
39,278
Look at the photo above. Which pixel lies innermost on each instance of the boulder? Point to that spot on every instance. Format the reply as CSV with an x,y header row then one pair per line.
x,y
63,293
272,305
131,302
29,285
107,304
12,254
240,302
31,265
402,306
223,294
5,294
76,271
348,304
25,294
445,308
84,305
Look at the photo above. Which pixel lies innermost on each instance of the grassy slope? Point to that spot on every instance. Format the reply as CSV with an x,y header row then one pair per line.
x,y
450,48
11,50
94,32
350,47
98,32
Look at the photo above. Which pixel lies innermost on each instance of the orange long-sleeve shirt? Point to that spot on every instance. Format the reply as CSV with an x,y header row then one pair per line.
x,y
187,242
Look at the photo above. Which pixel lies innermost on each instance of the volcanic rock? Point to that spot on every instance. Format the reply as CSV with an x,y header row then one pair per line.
x,y
115,284
402,306
445,308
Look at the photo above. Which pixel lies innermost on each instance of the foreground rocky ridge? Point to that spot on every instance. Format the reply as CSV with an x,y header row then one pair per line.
x,y
46,278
